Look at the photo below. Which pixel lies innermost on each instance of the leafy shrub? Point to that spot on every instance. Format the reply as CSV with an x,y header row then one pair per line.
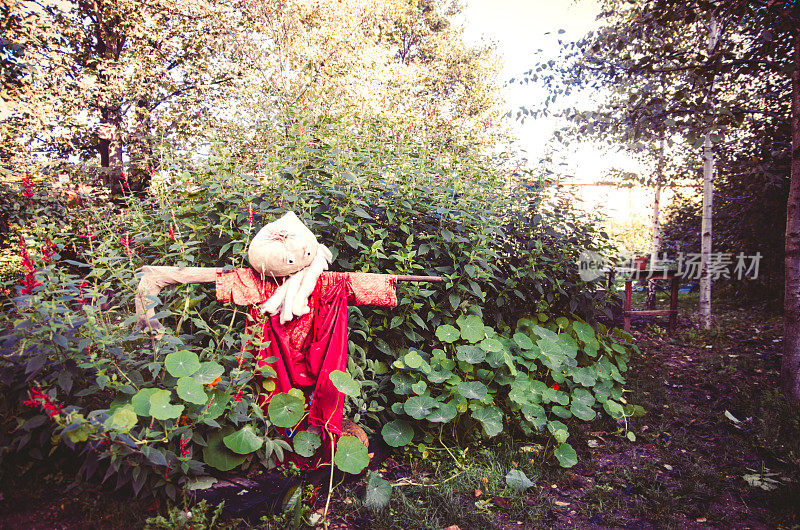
x,y
156,413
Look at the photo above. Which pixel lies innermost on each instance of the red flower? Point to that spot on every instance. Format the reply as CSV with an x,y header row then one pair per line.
x,y
555,386
250,214
88,235
126,241
171,232
48,251
81,297
238,395
39,398
28,191
185,453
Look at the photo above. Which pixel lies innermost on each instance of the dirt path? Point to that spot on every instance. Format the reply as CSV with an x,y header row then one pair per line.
x,y
687,466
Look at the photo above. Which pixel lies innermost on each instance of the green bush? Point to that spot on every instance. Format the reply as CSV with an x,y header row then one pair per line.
x,y
157,413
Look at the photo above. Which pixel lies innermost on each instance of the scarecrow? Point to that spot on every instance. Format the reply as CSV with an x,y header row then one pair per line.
x,y
297,309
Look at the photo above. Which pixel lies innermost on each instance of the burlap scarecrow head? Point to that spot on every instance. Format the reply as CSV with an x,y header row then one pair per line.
x,y
282,247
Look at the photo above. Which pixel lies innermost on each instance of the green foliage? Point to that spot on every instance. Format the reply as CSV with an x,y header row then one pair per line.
x,y
195,391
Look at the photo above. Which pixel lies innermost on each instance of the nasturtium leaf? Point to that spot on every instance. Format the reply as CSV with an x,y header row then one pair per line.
x,y
285,410
566,455
535,414
208,372
472,389
160,407
192,391
402,383
581,395
351,455
559,430
581,411
523,341
443,413
413,360
585,334
182,363
561,412
491,345
545,333
470,354
471,328
439,376
397,433
218,402
447,333
141,401
614,409
419,387
217,455
244,441
122,420
516,479
491,418
378,493
419,406
584,376
306,443
345,383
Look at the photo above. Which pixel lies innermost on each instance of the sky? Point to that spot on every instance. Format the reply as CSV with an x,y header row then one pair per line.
x,y
519,28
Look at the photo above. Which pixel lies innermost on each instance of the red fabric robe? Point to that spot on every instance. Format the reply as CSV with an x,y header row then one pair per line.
x,y
308,348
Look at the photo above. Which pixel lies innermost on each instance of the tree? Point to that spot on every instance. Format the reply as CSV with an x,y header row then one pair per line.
x,y
95,77
717,60
401,63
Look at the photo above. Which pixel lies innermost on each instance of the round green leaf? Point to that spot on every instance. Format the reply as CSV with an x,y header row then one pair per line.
x,y
217,455
345,383
351,455
160,407
285,410
566,455
122,420
397,433
559,430
413,360
192,391
491,418
182,363
208,372
447,333
470,354
518,480
244,441
419,406
141,401
443,413
582,412
472,389
306,443
379,491
491,345
523,341
419,387
471,328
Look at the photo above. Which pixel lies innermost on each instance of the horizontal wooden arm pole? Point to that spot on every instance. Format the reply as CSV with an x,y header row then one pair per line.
x,y
404,278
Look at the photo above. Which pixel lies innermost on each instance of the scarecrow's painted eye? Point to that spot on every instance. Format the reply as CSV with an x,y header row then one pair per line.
x,y
290,261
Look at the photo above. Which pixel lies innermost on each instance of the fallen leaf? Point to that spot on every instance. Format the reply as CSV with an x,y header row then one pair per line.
x,y
478,493
701,520
485,480
562,503
502,502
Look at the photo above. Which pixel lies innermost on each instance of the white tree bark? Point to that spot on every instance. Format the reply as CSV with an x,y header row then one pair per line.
x,y
650,303
708,196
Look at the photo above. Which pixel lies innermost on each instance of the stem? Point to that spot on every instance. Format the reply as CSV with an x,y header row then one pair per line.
x,y
330,483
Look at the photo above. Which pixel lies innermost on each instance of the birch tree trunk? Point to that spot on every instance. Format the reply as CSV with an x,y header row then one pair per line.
x,y
708,195
650,303
790,364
